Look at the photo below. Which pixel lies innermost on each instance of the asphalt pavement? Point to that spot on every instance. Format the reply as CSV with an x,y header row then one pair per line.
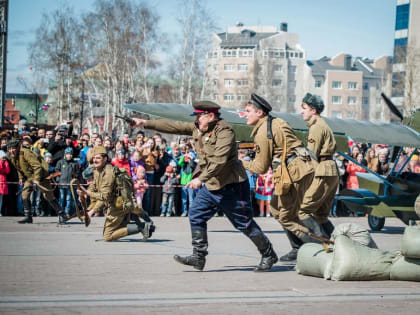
x,y
46,268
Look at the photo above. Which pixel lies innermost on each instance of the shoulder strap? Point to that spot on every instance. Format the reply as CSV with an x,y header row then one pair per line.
x,y
269,131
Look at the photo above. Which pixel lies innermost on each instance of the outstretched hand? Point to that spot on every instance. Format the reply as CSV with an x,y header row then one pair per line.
x,y
138,122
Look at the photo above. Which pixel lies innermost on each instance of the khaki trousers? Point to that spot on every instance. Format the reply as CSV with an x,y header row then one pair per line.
x,y
115,225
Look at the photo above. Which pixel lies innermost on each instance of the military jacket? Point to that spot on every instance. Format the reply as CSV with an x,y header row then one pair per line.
x,y
216,150
30,166
102,190
266,149
322,143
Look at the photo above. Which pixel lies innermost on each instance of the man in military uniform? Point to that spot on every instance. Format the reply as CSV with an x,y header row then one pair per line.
x,y
102,193
222,179
319,197
269,136
33,171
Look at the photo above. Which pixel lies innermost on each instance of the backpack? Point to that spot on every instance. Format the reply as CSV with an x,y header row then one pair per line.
x,y
124,190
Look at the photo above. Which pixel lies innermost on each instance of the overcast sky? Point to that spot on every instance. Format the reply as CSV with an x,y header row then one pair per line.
x,y
326,27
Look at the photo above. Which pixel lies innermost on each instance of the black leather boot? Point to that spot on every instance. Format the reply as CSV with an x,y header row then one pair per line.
x,y
313,226
198,257
62,217
296,244
27,210
328,228
269,257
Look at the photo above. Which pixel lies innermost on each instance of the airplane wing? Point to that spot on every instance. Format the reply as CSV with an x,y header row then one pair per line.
x,y
359,131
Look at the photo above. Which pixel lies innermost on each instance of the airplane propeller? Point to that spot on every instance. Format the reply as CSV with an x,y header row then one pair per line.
x,y
392,107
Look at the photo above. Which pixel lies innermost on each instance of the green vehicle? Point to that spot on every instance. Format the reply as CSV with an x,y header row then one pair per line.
x,y
379,197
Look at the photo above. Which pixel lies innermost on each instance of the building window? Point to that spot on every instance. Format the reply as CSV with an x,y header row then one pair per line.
x,y
229,82
365,86
216,68
229,67
351,115
277,68
229,97
378,100
277,98
352,85
242,83
336,114
242,67
246,53
215,82
292,99
215,96
336,99
336,84
276,83
351,100
365,100
318,83
241,97
293,69
292,84
229,53
402,17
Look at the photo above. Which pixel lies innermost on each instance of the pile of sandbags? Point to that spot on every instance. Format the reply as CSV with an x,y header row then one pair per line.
x,y
354,256
406,266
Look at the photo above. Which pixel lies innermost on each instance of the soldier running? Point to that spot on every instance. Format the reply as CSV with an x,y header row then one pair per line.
x,y
33,172
270,136
319,197
222,179
102,192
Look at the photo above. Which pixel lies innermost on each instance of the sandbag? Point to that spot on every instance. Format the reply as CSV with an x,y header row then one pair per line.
x,y
313,260
410,246
353,261
405,269
355,232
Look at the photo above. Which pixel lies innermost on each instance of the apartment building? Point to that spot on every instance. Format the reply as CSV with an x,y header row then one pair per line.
x,y
262,59
406,68
350,87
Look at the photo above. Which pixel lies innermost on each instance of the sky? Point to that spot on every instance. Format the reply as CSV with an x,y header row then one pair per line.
x,y
362,28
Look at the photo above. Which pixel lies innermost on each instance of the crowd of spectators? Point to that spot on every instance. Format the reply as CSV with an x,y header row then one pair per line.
x,y
159,170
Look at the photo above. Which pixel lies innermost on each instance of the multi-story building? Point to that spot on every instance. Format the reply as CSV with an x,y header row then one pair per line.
x,y
406,68
261,59
350,87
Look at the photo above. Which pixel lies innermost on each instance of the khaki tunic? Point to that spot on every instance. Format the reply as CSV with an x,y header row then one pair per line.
x,y
216,150
31,168
319,197
102,191
284,208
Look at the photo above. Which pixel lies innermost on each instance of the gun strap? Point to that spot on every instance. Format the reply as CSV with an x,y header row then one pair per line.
x,y
269,131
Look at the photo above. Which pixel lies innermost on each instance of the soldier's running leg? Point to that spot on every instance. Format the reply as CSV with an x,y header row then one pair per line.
x,y
26,200
236,203
48,194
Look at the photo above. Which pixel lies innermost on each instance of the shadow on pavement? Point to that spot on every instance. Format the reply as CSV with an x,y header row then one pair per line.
x,y
236,231
390,230
248,269
139,240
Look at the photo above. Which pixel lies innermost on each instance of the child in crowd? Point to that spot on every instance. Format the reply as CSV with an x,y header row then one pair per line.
x,y
121,161
135,161
187,165
264,192
68,169
140,184
169,179
4,170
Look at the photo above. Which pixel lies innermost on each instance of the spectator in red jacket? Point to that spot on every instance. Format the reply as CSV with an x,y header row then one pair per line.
x,y
4,170
121,161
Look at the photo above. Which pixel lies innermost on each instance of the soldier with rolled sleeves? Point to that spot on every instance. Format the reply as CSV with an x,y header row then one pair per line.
x,y
33,171
268,139
319,197
222,179
102,192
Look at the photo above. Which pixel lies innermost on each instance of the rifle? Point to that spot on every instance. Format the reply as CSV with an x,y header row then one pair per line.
x,y
53,175
128,120
85,217
325,241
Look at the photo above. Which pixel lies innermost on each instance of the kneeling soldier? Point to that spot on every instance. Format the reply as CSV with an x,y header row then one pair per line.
x,y
103,192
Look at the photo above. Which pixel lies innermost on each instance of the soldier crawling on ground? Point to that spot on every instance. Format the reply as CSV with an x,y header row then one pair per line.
x,y
102,192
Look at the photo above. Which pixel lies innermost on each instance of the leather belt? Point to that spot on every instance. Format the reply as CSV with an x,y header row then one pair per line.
x,y
325,158
277,161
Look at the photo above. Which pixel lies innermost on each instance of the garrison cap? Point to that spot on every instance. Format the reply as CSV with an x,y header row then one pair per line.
x,y
260,103
314,101
13,143
98,150
88,173
205,107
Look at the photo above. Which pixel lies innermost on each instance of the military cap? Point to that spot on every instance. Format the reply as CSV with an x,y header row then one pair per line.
x,y
205,107
314,101
260,103
98,150
88,173
14,143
